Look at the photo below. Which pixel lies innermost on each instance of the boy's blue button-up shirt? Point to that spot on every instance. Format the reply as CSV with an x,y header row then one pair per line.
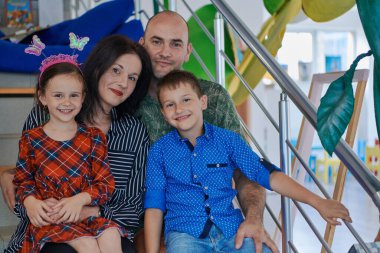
x,y
194,185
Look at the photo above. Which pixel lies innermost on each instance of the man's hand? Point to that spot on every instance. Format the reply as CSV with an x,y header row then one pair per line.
x,y
252,201
256,231
8,188
37,211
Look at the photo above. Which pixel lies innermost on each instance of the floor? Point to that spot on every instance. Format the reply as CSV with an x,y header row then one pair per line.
x,y
363,212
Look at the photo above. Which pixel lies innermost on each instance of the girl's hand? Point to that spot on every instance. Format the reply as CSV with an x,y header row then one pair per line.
x,y
37,211
70,208
51,202
331,209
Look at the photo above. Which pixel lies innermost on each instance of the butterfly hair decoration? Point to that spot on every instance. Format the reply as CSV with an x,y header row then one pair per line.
x,y
36,47
78,43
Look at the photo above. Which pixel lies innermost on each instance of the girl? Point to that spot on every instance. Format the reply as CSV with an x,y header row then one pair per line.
x,y
115,64
63,166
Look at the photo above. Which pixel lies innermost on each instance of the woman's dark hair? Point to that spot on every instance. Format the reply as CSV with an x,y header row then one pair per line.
x,y
101,58
54,70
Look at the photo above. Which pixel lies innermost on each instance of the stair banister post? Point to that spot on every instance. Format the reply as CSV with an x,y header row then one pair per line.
x,y
287,232
219,46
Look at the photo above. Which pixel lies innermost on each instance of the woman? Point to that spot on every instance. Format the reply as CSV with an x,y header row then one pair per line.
x,y
117,73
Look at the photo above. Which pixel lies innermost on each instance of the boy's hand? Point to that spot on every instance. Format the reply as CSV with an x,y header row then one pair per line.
x,y
37,211
70,208
331,209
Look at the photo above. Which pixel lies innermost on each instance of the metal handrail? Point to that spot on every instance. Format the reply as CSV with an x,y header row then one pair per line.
x,y
311,225
253,139
368,181
251,92
303,163
296,153
160,4
304,106
200,23
203,65
287,234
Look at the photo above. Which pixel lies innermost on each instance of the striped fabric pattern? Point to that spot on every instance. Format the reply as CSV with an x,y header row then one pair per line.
x,y
128,144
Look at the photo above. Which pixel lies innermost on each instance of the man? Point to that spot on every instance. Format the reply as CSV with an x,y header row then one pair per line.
x,y
166,39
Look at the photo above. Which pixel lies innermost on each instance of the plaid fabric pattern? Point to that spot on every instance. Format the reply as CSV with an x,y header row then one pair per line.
x,y
57,169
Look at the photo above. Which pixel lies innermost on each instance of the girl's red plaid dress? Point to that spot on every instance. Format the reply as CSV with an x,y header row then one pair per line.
x,y
57,169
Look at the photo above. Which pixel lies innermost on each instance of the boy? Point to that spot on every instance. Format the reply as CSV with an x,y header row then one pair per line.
x,y
189,174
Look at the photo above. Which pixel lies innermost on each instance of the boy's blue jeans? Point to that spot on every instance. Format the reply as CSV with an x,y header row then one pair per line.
x,y
176,242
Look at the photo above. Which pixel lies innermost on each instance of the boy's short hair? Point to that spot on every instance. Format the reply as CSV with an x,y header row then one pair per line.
x,y
175,77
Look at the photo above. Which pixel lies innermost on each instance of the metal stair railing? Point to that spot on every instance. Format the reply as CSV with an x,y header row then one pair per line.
x,y
368,181
303,163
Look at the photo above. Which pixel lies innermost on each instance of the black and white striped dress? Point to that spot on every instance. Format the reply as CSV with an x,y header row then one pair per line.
x,y
128,144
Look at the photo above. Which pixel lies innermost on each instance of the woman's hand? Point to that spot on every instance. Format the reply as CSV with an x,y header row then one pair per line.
x,y
8,188
71,208
37,211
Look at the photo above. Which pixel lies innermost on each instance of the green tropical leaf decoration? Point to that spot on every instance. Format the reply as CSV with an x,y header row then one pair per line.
x,y
336,108
273,6
204,47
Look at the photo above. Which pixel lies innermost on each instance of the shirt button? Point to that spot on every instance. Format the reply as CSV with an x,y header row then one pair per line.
x,y
207,205
217,165
195,176
194,154
206,188
211,217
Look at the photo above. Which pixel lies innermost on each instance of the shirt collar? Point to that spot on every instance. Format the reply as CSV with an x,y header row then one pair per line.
x,y
206,126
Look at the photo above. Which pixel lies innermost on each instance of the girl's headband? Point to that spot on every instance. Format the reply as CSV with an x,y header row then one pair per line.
x,y
37,46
